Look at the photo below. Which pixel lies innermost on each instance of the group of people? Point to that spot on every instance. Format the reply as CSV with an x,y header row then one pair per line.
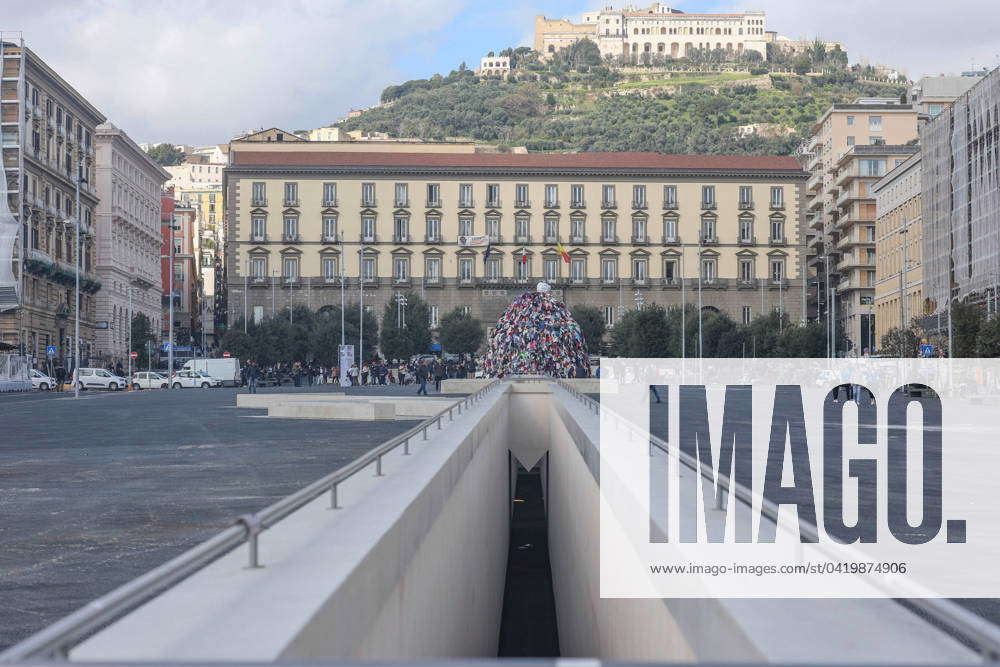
x,y
377,372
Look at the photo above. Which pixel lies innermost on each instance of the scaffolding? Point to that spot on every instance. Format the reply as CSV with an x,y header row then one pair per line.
x,y
961,198
11,164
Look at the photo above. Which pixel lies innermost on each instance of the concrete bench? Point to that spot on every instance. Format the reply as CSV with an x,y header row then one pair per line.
x,y
356,410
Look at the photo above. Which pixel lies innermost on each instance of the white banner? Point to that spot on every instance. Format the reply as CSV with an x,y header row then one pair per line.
x,y
799,478
346,361
480,241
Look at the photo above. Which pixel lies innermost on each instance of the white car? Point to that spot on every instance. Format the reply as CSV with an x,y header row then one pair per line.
x,y
149,380
182,379
98,378
40,380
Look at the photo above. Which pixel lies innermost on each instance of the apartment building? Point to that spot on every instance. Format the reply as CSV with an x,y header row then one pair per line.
x,y
961,200
851,147
48,153
637,35
128,240
183,272
208,240
723,229
898,248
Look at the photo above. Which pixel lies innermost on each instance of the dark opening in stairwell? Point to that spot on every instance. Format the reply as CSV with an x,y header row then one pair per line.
x,y
528,623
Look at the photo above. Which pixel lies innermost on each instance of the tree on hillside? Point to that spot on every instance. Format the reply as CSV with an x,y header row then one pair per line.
x,y
414,336
166,155
460,333
591,322
801,64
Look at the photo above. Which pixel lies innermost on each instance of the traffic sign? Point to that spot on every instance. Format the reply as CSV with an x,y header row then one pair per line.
x,y
926,350
134,355
225,355
50,351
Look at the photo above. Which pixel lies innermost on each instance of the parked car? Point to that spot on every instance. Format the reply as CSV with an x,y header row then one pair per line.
x,y
149,380
98,378
194,379
40,380
227,370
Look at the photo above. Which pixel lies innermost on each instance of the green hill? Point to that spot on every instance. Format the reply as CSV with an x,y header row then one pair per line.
x,y
558,106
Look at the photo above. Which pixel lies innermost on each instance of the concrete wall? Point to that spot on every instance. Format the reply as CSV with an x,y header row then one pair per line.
x,y
412,567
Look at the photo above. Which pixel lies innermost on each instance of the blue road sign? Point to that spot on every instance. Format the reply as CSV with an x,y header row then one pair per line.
x,y
50,351
435,347
926,350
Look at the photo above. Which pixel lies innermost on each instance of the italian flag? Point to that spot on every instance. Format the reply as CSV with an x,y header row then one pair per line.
x,y
562,251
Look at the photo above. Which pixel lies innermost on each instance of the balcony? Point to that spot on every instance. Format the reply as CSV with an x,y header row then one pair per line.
x,y
640,282
258,238
400,238
401,281
332,280
609,239
639,205
492,203
671,240
369,238
777,206
815,204
289,238
433,203
433,238
671,283
670,206
777,241
522,203
550,239
609,282
745,206
815,182
329,203
466,203
776,283
292,202
466,281
331,239
578,204
496,238
708,206
608,203
577,280
578,239
640,239
368,203
746,283
551,203
522,238
751,241
370,281
401,203
708,283
709,239
290,280
432,281
258,202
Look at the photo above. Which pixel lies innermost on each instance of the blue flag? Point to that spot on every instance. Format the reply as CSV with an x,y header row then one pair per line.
x,y
486,255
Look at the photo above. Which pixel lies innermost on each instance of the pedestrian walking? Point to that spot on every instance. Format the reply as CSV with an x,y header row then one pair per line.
x,y
422,373
253,372
60,377
438,375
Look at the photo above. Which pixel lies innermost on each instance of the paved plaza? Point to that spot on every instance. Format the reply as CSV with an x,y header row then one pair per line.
x,y
98,490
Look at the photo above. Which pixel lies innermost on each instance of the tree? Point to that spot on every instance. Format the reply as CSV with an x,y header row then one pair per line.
x,y
238,344
414,337
966,320
460,332
643,332
166,155
801,64
591,322
988,341
141,334
901,342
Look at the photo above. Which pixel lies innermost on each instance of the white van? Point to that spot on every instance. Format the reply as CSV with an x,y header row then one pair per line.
x,y
227,370
98,378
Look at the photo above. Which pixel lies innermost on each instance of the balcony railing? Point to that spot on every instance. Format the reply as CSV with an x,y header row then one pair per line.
x,y
492,203
329,203
746,283
777,206
551,203
550,239
291,202
640,239
370,280
709,239
609,239
262,201
577,280
432,281
466,281
578,239
708,205
745,206
290,238
433,238
777,241
368,203
401,203
608,203
640,282
609,282
400,238
747,241
671,283
670,206
639,204
466,203
522,203
578,203
522,238
258,238
369,238
671,240
331,239
401,280
433,203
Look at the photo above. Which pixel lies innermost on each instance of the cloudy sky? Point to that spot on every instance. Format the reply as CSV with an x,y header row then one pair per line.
x,y
201,71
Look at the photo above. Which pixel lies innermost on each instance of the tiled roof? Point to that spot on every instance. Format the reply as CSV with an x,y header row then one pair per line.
x,y
586,160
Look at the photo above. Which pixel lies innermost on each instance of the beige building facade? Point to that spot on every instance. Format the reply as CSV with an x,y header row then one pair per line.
x,y
663,228
48,148
898,248
852,146
636,34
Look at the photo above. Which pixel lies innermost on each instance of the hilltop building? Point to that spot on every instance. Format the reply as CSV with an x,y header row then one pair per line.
x,y
634,33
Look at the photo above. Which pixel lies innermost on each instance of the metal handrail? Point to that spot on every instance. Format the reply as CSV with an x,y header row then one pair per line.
x,y
56,640
974,630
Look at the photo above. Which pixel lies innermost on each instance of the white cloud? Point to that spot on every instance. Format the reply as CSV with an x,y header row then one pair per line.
x,y
915,36
200,71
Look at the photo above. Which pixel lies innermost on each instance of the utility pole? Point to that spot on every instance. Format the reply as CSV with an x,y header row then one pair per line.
x,y
170,329
76,341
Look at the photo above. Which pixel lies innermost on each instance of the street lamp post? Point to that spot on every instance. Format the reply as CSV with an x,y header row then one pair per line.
x,y
274,288
76,341
400,310
640,300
